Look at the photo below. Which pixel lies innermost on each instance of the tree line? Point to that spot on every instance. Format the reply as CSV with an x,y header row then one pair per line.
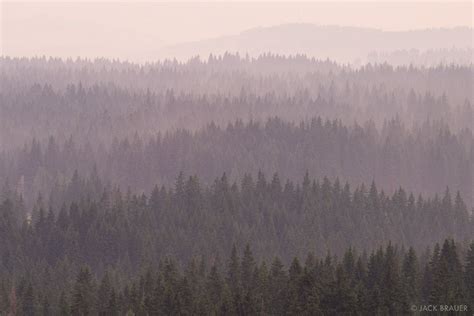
x,y
423,159
96,224
95,101
387,281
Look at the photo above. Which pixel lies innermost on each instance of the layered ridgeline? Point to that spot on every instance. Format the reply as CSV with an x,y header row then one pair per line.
x,y
99,225
92,156
103,99
170,253
354,45
389,281
423,159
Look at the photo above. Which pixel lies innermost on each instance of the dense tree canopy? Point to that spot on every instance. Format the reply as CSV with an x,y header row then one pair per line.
x,y
138,125
424,159
277,217
387,281
234,186
100,100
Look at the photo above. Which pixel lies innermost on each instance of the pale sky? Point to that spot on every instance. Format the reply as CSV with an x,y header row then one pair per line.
x,y
131,30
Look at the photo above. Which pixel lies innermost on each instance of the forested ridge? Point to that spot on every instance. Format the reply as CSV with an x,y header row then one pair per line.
x,y
142,124
283,218
423,159
97,100
387,281
233,185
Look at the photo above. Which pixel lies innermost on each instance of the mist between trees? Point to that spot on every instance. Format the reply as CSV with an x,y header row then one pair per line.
x,y
425,159
143,124
104,99
277,217
126,186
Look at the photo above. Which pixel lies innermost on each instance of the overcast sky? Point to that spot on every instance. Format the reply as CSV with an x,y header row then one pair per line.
x,y
131,30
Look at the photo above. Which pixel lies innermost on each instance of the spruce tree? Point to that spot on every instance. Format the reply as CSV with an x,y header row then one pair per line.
x,y
344,296
83,297
64,307
29,301
214,287
447,285
410,278
392,290
247,269
103,294
112,304
469,276
277,284
46,310
234,279
294,304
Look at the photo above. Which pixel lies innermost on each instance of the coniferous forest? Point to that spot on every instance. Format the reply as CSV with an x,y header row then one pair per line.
x,y
236,185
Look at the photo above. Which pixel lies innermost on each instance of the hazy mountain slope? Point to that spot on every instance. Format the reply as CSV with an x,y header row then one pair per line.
x,y
343,44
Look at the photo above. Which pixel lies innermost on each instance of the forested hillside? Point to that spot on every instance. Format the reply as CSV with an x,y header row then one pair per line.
x,y
138,125
388,281
169,252
424,159
340,43
234,186
100,100
95,224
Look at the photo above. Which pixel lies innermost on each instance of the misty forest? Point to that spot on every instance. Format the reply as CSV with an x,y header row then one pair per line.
x,y
235,185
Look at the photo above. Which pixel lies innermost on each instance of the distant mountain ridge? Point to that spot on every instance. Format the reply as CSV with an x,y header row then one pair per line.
x,y
339,43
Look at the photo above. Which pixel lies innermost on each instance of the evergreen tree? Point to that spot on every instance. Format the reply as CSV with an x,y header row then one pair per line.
x,y
234,279
277,284
469,275
104,294
308,291
447,285
344,294
112,305
64,308
156,302
185,303
410,278
29,301
392,290
247,269
215,287
46,310
294,299
83,297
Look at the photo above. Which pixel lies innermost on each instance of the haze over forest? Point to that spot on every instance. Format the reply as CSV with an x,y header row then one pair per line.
x,y
178,159
428,33
352,45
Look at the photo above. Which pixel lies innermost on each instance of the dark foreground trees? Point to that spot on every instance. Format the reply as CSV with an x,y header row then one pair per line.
x,y
181,251
388,281
277,217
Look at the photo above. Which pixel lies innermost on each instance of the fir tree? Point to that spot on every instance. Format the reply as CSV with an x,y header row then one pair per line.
x,y
83,297
469,276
